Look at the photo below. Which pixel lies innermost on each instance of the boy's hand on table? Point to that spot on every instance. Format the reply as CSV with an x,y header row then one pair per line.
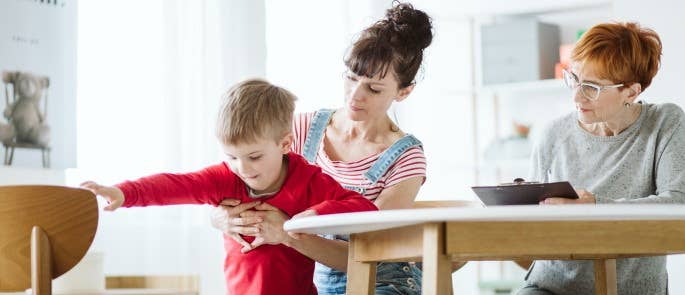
x,y
112,194
227,218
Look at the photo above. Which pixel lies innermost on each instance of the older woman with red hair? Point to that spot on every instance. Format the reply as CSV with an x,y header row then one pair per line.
x,y
613,149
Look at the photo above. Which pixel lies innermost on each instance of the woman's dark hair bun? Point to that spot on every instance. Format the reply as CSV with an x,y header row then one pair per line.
x,y
413,26
397,41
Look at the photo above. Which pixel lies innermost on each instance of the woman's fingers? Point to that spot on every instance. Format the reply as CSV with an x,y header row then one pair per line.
x,y
557,201
266,207
236,210
255,213
584,197
563,201
258,241
241,221
239,240
244,230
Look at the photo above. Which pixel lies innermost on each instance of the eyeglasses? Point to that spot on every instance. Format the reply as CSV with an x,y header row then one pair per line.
x,y
589,90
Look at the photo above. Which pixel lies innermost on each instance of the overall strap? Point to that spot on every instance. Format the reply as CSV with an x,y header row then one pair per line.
x,y
389,157
317,128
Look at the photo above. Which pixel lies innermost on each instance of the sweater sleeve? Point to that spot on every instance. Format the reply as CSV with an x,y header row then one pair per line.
x,y
669,174
207,186
327,196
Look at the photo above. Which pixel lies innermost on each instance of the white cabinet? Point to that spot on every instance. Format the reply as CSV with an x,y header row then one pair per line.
x,y
520,50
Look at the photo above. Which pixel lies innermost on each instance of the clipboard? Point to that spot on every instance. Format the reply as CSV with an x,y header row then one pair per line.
x,y
520,192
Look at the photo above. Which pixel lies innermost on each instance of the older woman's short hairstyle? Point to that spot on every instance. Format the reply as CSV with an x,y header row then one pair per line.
x,y
621,52
255,109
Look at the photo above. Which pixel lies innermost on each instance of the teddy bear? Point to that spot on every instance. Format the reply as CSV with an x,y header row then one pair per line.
x,y
26,122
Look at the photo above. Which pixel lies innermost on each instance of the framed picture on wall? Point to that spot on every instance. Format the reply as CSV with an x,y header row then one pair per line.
x,y
38,70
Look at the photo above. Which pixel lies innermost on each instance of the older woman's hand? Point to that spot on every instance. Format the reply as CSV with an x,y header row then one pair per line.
x,y
226,217
584,197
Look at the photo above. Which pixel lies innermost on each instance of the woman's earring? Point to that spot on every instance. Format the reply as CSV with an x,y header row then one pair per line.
x,y
627,105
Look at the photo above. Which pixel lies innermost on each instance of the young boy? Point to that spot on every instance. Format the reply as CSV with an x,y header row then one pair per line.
x,y
254,127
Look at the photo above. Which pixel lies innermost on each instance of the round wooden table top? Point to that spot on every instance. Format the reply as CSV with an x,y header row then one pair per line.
x,y
69,217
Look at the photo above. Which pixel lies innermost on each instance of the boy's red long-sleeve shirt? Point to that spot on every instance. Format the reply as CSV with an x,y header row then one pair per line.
x,y
268,269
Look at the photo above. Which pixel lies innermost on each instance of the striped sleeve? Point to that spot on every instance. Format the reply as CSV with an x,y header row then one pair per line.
x,y
301,123
412,163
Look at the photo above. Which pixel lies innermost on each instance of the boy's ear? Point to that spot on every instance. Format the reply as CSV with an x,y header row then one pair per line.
x,y
286,142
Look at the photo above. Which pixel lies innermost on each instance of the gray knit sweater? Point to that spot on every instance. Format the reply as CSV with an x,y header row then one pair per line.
x,y
643,164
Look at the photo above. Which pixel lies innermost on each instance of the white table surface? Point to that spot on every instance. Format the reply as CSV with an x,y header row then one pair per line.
x,y
349,223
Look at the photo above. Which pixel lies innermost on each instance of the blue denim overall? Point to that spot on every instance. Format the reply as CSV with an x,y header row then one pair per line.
x,y
391,278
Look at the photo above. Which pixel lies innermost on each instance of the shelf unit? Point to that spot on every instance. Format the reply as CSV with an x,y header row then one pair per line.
x,y
487,100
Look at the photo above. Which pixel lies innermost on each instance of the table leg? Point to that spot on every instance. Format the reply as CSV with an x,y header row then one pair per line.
x,y
437,274
605,277
361,276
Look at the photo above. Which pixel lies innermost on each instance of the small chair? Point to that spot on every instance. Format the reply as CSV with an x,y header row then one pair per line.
x,y
44,232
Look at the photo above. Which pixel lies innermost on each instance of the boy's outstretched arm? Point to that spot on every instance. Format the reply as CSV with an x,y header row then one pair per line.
x,y
114,196
207,186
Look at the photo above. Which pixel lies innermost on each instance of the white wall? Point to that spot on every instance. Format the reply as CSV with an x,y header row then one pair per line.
x,y
439,112
305,50
665,17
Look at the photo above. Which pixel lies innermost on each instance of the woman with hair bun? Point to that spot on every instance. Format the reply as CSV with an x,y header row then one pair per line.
x,y
360,147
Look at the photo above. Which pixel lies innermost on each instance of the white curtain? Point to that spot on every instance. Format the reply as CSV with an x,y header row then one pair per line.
x,y
150,77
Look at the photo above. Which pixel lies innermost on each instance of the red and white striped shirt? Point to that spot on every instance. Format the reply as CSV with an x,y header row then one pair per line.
x,y
412,163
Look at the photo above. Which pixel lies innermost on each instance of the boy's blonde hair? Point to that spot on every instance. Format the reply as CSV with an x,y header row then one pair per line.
x,y
254,109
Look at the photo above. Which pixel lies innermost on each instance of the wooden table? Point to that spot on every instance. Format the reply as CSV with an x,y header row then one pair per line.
x,y
438,236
